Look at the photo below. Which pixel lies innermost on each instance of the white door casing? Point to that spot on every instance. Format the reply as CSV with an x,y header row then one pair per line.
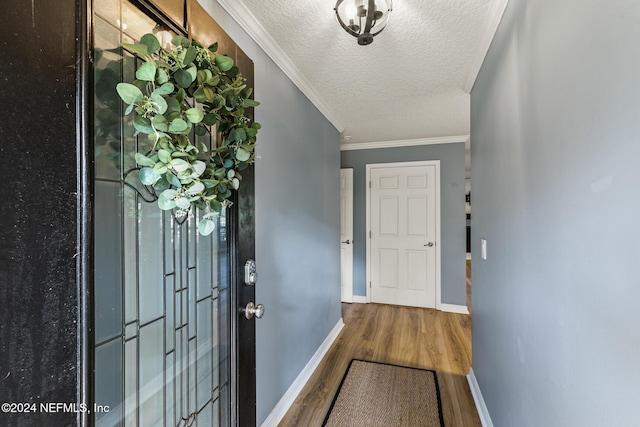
x,y
346,234
403,223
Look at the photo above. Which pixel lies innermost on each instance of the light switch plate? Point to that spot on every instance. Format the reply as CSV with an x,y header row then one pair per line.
x,y
484,248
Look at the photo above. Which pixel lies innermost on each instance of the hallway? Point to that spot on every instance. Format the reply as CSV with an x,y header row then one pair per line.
x,y
422,338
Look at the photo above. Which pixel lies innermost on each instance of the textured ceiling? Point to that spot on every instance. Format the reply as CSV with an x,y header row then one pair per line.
x,y
407,84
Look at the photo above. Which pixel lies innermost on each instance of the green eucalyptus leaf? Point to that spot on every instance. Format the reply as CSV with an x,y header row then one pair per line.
x,y
161,104
206,226
161,76
129,93
192,70
201,130
164,156
240,135
195,115
210,183
165,89
143,160
160,123
233,72
161,184
146,72
173,180
178,125
166,199
143,125
173,105
136,49
210,119
190,55
151,42
129,109
213,80
242,154
198,168
224,63
148,176
166,205
160,168
227,164
214,47
247,103
235,183
179,165
208,93
195,188
231,173
199,95
180,41
183,78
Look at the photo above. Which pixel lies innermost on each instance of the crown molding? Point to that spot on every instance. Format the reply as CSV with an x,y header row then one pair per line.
x,y
250,24
403,143
496,10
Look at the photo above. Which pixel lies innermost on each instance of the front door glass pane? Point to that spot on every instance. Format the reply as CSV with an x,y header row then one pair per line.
x,y
161,290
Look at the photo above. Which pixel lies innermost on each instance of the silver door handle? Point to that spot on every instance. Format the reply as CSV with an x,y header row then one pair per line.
x,y
348,242
430,244
253,310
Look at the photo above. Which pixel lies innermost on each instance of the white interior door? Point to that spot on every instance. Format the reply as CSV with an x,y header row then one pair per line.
x,y
346,234
404,222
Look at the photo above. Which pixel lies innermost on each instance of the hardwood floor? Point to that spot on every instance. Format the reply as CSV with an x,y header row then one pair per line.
x,y
407,336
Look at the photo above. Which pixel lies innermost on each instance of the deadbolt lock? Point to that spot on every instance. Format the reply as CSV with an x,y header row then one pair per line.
x,y
250,275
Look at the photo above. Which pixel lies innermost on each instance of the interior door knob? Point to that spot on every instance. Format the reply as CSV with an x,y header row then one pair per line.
x,y
430,244
253,310
348,242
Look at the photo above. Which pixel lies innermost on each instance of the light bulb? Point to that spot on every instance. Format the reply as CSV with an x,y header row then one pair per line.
x,y
350,10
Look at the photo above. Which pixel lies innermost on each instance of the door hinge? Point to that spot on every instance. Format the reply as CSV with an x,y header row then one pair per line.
x,y
369,184
369,233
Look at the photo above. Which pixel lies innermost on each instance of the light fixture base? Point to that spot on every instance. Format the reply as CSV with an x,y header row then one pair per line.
x,y
365,39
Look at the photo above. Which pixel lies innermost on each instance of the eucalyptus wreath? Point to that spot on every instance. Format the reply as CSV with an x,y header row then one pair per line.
x,y
178,92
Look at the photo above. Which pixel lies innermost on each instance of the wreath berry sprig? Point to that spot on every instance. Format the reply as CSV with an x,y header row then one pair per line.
x,y
183,90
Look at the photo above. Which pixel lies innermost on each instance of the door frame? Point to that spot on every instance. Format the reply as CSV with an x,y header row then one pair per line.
x,y
370,166
349,214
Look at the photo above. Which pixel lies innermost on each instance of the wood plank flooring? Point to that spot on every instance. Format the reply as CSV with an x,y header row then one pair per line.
x,y
407,336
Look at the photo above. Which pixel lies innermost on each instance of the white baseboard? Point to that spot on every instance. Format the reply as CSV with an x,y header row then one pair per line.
x,y
453,308
483,412
281,408
359,299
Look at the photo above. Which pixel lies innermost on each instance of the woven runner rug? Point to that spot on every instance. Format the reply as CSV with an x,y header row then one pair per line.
x,y
377,394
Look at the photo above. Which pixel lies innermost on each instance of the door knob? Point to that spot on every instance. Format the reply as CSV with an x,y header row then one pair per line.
x,y
430,244
348,242
253,310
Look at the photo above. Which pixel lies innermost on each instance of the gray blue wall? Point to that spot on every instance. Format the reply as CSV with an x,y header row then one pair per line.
x,y
297,224
555,151
452,213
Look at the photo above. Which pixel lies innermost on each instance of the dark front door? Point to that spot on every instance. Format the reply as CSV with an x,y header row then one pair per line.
x,y
172,345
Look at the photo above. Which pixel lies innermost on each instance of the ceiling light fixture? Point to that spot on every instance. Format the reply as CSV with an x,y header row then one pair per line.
x,y
363,19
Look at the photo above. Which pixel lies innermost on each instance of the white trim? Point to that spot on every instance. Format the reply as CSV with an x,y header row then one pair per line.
x,y
468,256
494,16
483,412
435,163
281,408
403,143
454,308
360,299
347,267
250,24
